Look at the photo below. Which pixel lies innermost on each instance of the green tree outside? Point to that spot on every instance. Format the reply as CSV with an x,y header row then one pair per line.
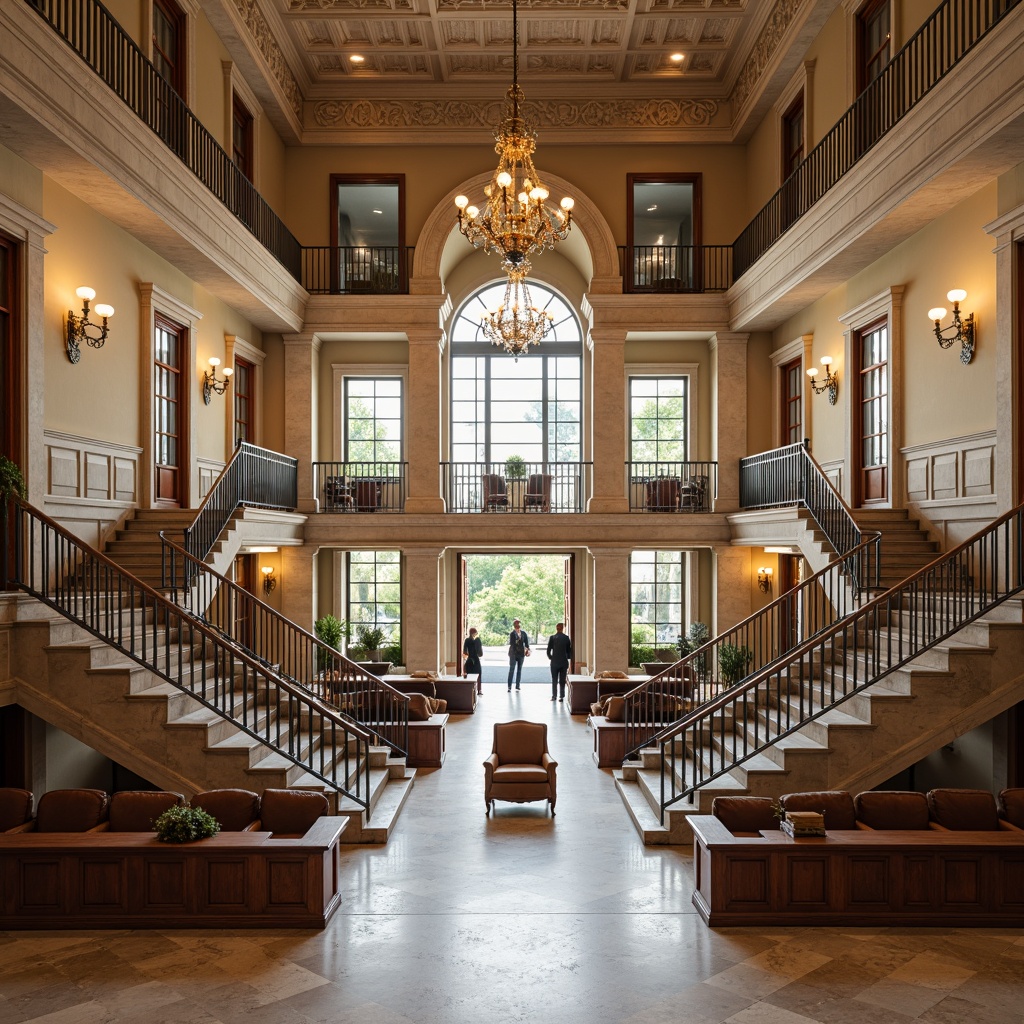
x,y
531,589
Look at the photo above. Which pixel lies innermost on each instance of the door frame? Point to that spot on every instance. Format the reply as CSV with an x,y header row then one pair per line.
x,y
798,348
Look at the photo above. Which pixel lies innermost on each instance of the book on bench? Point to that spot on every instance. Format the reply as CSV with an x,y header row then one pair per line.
x,y
803,823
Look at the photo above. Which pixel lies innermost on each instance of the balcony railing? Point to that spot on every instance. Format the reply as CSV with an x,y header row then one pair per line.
x,y
675,268
356,270
950,33
360,486
535,487
672,486
90,30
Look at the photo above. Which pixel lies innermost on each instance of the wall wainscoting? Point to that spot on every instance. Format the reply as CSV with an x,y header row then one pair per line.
x,y
209,470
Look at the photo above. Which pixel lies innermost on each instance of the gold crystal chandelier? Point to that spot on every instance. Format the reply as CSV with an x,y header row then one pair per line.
x,y
516,219
517,323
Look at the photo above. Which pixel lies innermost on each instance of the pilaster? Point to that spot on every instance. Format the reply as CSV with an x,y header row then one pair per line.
x,y
297,585
607,350
729,414
424,434
421,612
610,618
732,587
301,409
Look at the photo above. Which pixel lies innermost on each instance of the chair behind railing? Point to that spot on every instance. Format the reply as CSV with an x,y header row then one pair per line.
x,y
361,486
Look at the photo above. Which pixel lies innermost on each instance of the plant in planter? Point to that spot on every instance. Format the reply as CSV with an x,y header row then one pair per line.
x,y
185,825
515,467
331,631
733,662
393,651
696,636
12,483
371,639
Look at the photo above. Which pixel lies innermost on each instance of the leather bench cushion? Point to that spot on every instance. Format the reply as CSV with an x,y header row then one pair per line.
x,y
512,774
136,810
291,811
15,808
747,815
964,810
899,810
234,809
71,810
1011,806
835,804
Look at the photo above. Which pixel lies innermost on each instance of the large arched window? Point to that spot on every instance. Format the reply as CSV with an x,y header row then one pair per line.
x,y
502,407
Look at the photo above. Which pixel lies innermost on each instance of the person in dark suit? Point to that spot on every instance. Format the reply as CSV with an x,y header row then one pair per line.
x,y
473,649
559,654
518,648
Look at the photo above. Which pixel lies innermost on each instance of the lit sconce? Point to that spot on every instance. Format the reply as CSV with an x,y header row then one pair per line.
x,y
269,579
79,327
764,579
963,329
211,382
829,384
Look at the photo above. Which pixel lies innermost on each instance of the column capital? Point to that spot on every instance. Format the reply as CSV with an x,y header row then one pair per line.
x,y
307,338
727,338
428,336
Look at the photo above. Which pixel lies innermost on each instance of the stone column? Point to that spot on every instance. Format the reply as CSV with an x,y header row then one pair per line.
x,y
607,348
732,587
301,410
297,587
610,618
729,414
421,618
423,444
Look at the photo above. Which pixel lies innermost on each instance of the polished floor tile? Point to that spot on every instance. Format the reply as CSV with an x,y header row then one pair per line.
x,y
517,917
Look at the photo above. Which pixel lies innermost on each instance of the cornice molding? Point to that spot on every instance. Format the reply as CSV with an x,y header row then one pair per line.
x,y
266,42
765,47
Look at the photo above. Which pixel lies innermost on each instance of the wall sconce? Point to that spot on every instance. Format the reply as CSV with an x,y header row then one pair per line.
x,y
764,579
80,326
269,579
212,383
963,329
829,384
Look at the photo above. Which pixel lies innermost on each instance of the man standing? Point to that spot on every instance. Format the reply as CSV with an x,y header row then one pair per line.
x,y
559,654
518,648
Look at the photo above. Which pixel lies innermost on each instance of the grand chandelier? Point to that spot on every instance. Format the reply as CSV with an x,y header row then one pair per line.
x,y
517,323
516,219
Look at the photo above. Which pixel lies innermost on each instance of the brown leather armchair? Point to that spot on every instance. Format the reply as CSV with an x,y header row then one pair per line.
x,y
236,810
291,813
493,493
136,810
15,810
72,810
538,492
663,494
519,769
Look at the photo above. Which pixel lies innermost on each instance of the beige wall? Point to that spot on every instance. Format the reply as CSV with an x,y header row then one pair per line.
x,y
21,181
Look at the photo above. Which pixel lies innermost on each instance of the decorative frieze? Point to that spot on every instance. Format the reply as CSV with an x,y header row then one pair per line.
x,y
263,36
767,43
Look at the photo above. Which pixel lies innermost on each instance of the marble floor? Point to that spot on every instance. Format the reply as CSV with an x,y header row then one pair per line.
x,y
519,917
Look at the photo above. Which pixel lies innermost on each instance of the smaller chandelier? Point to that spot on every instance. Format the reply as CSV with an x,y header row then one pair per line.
x,y
517,323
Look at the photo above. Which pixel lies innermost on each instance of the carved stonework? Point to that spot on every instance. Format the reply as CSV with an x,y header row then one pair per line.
x,y
552,114
533,5
768,40
350,5
263,36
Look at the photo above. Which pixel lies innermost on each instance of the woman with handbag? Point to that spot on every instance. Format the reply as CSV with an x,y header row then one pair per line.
x,y
473,649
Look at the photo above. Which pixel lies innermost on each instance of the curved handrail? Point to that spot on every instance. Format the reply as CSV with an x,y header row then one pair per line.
x,y
91,590
284,646
807,609
843,660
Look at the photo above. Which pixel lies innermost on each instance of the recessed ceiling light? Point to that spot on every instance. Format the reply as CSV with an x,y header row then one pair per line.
x,y
356,58
378,211
652,207
677,57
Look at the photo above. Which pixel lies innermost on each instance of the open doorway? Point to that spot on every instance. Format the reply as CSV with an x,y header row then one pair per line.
x,y
497,588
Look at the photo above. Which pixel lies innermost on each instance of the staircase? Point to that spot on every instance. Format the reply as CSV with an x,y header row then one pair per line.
x,y
910,671
906,546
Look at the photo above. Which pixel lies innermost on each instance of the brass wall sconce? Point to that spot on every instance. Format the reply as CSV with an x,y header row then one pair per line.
x,y
269,579
829,384
212,383
962,328
764,579
79,327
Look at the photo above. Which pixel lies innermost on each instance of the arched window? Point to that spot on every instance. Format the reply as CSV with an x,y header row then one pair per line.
x,y
502,407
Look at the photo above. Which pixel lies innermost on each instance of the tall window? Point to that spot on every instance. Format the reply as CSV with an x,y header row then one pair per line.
x,y
793,137
169,43
245,400
663,231
241,136
375,590
368,233
874,412
168,408
658,419
373,419
792,395
656,599
529,407
874,42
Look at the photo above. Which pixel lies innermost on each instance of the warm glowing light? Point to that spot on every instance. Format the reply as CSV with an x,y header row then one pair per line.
x,y
937,313
104,310
956,295
86,293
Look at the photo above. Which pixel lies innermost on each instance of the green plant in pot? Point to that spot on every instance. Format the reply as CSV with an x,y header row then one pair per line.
x,y
696,636
515,467
733,662
12,483
330,631
371,639
185,825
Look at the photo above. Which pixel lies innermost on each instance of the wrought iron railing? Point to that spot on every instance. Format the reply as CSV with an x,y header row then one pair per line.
x,y
361,486
253,476
759,640
527,487
671,486
791,476
88,588
675,268
945,38
91,31
357,270
843,660
285,648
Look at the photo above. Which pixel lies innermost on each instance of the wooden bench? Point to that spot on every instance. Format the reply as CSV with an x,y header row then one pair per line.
x,y
427,742
609,741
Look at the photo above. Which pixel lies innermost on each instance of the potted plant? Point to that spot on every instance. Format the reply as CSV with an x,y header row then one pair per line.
x,y
12,483
515,467
371,639
330,631
733,662
185,825
696,636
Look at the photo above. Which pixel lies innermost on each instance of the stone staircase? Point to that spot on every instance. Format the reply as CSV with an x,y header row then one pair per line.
x,y
944,693
906,545
129,713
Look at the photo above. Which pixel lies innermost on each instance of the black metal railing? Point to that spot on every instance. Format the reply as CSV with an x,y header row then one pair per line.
x,y
357,270
91,31
253,476
361,486
944,39
671,486
88,588
791,476
843,660
675,268
751,645
527,487
284,648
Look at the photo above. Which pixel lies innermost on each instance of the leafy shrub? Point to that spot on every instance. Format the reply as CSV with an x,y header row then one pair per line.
x,y
185,825
515,467
733,662
370,638
331,631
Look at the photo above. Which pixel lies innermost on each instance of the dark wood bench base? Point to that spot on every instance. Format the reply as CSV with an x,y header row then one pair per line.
x,y
427,742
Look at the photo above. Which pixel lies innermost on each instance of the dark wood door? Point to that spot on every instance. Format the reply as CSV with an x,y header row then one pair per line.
x,y
245,401
169,399
12,396
873,407
791,403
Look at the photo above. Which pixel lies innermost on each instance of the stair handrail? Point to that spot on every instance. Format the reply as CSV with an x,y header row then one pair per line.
x,y
253,476
925,609
291,652
791,476
811,606
88,588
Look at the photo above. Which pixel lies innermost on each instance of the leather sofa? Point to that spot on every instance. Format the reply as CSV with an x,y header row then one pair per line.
x,y
581,691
